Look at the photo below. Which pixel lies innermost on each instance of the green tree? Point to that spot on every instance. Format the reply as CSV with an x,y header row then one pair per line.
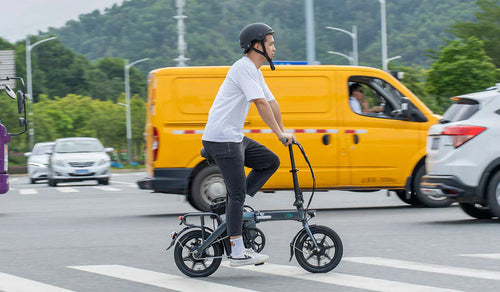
x,y
486,28
461,67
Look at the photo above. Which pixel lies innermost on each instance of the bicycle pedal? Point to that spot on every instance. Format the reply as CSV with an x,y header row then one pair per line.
x,y
259,264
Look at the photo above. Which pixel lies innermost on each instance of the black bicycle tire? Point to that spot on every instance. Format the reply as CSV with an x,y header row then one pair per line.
x,y
179,261
318,229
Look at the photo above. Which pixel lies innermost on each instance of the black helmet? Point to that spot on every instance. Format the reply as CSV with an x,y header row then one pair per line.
x,y
256,32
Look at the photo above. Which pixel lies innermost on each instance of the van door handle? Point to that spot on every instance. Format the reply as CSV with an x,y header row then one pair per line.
x,y
326,139
355,138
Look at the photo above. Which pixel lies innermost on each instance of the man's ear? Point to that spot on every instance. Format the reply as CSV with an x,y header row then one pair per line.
x,y
258,46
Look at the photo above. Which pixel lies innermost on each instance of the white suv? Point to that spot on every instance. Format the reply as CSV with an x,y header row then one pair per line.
x,y
463,154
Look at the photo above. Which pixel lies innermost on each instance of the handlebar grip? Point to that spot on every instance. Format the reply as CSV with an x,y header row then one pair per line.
x,y
283,140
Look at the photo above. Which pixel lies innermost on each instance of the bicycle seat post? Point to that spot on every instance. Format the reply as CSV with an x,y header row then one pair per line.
x,y
299,198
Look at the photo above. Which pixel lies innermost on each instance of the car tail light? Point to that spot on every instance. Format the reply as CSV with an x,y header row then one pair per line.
x,y
155,145
462,134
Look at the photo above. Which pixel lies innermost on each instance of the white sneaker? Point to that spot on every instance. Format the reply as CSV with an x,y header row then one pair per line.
x,y
248,257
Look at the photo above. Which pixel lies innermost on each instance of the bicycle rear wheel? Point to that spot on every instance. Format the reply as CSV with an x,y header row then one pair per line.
x,y
197,266
326,258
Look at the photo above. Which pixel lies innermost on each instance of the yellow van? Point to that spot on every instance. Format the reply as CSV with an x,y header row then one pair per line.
x,y
348,150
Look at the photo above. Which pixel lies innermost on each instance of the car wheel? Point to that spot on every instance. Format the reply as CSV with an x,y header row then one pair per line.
x,y
411,201
52,182
476,210
208,184
103,181
428,201
493,195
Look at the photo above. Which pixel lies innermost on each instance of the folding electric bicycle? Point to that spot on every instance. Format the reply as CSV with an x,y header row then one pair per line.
x,y
199,248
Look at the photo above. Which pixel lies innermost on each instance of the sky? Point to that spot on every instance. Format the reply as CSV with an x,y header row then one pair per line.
x,y
23,17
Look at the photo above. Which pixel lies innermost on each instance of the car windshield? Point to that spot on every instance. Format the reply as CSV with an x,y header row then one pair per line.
x,y
78,146
42,150
460,111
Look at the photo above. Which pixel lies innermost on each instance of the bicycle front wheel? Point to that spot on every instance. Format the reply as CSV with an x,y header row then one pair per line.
x,y
323,259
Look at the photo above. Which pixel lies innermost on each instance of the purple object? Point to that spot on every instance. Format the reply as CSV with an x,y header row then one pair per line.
x,y
4,177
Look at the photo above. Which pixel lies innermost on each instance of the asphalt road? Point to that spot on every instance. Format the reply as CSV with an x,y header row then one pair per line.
x,y
86,237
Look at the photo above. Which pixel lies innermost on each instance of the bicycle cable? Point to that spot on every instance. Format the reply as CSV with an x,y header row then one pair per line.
x,y
312,172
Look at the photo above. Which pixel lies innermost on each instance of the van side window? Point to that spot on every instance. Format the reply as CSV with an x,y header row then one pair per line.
x,y
374,97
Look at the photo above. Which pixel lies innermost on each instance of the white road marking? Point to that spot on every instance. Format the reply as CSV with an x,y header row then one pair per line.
x,y
157,279
341,279
67,190
431,268
126,184
28,191
9,283
106,188
495,256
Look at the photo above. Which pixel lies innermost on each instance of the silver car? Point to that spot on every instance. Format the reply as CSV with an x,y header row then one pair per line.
x,y
79,159
38,160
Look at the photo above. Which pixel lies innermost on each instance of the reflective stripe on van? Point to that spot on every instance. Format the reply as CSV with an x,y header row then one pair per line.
x,y
269,131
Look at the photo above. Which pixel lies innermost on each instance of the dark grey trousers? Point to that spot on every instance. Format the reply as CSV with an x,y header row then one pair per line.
x,y
231,158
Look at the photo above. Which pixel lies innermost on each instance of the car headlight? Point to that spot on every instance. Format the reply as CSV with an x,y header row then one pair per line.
x,y
102,162
34,164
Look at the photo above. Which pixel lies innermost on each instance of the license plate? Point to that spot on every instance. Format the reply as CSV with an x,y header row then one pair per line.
x,y
81,171
435,143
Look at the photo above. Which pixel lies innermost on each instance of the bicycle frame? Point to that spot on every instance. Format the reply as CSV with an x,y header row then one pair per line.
x,y
302,215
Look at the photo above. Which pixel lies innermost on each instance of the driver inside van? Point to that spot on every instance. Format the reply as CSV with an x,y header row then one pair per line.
x,y
358,102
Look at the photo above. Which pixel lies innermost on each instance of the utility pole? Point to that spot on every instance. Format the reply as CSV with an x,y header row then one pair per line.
x,y
181,44
127,106
310,34
31,120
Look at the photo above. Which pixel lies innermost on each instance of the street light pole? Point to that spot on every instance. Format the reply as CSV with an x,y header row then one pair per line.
x,y
310,35
127,107
390,59
384,34
354,35
31,121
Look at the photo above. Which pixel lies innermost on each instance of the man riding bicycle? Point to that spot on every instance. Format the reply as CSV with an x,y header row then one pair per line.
x,y
224,140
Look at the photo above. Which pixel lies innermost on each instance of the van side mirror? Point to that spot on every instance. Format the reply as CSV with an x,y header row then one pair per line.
x,y
9,91
109,149
20,101
404,107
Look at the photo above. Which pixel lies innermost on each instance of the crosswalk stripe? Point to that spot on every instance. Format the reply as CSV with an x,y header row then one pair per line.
x,y
341,279
416,266
67,190
28,192
134,185
9,283
158,279
106,188
495,256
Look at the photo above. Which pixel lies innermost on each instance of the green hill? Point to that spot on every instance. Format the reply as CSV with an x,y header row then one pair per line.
x,y
146,28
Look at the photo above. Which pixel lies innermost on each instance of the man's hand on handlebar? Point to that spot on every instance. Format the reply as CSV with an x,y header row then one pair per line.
x,y
287,139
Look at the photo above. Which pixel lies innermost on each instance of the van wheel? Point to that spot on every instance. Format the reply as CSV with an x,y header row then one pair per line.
x,y
476,210
428,201
493,195
208,184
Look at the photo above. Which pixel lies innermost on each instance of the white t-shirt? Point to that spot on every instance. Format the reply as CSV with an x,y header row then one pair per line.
x,y
355,105
243,83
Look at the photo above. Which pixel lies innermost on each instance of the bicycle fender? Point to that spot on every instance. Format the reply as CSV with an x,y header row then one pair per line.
x,y
294,241
176,235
